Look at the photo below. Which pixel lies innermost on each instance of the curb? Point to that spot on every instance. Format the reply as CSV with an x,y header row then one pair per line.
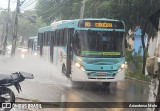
x,y
137,80
30,100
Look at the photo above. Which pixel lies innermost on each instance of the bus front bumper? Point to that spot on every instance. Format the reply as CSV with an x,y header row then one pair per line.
x,y
79,75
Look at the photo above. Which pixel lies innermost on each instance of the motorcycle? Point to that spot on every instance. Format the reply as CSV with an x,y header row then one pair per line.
x,y
6,94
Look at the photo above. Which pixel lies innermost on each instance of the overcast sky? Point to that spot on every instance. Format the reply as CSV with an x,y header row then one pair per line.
x,y
27,5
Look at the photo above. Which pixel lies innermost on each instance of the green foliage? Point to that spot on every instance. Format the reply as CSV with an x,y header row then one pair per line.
x,y
3,22
138,76
129,56
132,12
135,66
25,27
58,9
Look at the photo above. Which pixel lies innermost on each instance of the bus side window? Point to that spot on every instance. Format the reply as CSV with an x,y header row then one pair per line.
x,y
54,38
62,37
45,38
49,38
65,37
76,43
57,38
52,42
41,42
39,39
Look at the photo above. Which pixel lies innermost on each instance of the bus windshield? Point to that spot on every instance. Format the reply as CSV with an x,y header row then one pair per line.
x,y
98,43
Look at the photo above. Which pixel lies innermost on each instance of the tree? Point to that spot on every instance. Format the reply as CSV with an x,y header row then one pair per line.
x,y
28,27
136,12
3,16
58,9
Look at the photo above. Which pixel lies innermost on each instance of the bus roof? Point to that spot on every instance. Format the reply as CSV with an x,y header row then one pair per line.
x,y
44,29
98,19
60,22
72,24
64,21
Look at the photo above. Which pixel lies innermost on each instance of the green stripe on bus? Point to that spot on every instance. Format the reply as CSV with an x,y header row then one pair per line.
x,y
91,53
111,53
100,53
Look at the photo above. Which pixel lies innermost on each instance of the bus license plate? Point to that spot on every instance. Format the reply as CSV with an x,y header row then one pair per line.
x,y
101,74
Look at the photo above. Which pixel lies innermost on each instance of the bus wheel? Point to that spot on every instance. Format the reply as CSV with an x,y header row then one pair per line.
x,y
63,69
106,84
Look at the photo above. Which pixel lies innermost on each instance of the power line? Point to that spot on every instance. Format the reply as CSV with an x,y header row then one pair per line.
x,y
43,4
50,9
14,1
56,5
31,3
26,2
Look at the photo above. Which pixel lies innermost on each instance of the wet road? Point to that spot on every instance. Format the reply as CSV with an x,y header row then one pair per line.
x,y
49,85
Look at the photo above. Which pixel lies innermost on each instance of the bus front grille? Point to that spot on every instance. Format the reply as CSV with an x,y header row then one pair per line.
x,y
98,78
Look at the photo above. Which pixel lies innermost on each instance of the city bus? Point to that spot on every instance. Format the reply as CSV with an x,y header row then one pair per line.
x,y
86,50
32,44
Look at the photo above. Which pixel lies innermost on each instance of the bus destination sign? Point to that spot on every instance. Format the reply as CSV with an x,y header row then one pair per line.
x,y
101,24
98,24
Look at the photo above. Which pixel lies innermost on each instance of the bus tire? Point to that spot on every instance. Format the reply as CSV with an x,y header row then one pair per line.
x,y
63,69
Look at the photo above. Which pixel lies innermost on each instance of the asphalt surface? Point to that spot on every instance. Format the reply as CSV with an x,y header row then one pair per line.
x,y
49,85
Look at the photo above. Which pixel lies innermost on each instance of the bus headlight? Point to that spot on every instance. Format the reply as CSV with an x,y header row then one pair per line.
x,y
82,68
79,66
35,53
22,56
121,67
24,50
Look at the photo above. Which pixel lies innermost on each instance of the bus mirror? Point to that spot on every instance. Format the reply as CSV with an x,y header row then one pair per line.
x,y
126,44
76,34
89,31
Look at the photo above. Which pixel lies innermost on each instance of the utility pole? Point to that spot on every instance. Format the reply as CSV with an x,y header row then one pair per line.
x,y
153,66
82,9
3,32
6,35
15,29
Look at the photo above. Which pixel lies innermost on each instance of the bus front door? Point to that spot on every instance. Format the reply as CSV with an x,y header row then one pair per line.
x,y
69,51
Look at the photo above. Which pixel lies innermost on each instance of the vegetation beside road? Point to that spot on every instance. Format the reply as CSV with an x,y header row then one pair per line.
x,y
138,76
135,66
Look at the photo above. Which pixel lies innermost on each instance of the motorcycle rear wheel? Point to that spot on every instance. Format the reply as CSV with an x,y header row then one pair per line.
x,y
6,95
